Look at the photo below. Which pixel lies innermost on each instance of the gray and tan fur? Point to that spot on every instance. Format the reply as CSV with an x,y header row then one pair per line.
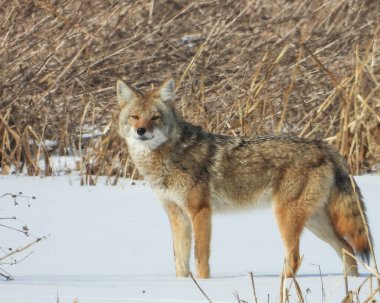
x,y
195,173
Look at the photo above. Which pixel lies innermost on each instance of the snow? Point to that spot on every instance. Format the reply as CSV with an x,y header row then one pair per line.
x,y
113,244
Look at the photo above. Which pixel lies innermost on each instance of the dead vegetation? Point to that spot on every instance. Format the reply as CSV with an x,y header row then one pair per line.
x,y
309,68
10,224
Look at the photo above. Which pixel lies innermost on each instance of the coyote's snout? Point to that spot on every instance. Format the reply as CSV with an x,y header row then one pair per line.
x,y
195,173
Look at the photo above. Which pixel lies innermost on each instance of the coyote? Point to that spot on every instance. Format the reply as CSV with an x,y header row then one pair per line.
x,y
195,173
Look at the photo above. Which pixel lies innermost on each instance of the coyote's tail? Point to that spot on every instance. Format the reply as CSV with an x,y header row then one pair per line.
x,y
347,211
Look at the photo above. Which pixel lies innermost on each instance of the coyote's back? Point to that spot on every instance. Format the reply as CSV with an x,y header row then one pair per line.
x,y
195,173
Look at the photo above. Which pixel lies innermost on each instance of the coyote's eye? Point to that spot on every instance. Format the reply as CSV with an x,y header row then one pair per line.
x,y
135,117
155,118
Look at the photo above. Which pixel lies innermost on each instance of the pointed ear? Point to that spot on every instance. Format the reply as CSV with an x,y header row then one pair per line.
x,y
124,93
167,90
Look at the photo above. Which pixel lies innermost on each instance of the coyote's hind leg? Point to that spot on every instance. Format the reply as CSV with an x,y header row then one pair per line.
x,y
291,227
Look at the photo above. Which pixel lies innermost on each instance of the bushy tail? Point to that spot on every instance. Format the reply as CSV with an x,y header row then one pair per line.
x,y
349,224
347,211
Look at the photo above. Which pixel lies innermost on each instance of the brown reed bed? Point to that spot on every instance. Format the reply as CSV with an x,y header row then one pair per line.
x,y
308,68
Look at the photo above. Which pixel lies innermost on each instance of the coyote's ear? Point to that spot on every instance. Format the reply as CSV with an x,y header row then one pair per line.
x,y
124,93
167,90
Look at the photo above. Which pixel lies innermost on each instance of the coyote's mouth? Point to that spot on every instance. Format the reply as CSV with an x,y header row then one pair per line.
x,y
145,139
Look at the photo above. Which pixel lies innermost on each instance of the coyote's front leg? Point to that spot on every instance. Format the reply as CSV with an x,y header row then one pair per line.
x,y
200,214
181,230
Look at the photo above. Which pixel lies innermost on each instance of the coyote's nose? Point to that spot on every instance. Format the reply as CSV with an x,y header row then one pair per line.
x,y
141,131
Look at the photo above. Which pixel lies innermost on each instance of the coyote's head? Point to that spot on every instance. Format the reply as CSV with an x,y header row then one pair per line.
x,y
146,119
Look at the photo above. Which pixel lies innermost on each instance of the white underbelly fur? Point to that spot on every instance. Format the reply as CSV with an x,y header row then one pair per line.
x,y
220,202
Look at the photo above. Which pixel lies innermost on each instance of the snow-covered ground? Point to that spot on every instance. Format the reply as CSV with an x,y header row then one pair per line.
x,y
113,244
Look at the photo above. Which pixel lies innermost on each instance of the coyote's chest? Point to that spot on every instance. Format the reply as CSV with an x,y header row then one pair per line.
x,y
168,180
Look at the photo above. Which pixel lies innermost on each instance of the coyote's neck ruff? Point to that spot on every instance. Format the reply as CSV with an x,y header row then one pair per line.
x,y
195,173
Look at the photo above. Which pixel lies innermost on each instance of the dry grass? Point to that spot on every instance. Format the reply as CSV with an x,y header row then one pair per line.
x,y
309,68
